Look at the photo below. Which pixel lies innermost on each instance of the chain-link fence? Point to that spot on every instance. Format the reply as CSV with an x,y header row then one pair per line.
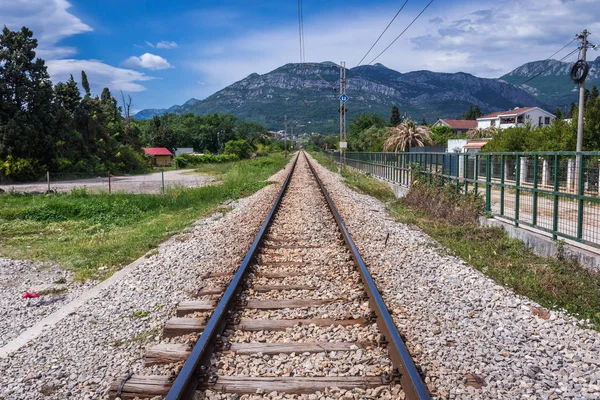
x,y
557,192
158,182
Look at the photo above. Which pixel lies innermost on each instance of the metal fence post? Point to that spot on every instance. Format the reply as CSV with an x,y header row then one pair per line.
x,y
517,186
535,190
580,190
48,179
162,177
465,171
109,187
488,183
555,213
502,173
476,173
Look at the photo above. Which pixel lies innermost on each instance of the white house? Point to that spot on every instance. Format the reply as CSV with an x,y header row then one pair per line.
x,y
516,117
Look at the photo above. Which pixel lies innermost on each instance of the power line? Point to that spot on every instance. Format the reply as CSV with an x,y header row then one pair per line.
x,y
550,66
386,28
405,29
301,31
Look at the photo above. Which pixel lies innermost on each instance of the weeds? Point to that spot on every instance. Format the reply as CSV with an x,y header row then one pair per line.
x,y
83,231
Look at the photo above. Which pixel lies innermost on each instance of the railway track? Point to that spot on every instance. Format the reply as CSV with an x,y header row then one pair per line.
x,y
300,317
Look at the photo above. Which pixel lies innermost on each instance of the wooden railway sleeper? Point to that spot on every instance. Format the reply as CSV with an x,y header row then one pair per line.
x,y
123,382
371,316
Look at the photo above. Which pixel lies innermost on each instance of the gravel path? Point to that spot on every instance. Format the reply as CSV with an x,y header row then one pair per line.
x,y
54,285
146,183
106,337
458,322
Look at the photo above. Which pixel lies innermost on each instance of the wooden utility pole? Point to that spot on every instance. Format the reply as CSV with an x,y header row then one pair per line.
x,y
285,133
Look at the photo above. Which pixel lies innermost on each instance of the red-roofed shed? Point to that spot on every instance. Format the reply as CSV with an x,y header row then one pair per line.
x,y
162,156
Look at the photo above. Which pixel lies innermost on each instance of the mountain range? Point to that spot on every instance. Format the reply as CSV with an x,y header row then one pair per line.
x,y
306,94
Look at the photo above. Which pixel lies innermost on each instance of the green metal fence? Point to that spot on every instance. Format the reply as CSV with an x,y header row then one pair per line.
x,y
556,192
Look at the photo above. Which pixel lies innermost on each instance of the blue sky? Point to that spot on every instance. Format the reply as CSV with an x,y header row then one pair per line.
x,y
165,52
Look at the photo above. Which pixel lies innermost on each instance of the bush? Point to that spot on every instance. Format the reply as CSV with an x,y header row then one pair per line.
x,y
240,148
21,169
442,201
193,160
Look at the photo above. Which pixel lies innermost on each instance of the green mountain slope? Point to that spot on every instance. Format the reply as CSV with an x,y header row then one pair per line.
x,y
312,104
553,85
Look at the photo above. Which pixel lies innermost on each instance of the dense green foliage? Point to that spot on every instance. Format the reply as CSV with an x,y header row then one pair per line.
x,y
54,128
324,142
205,133
473,113
441,134
559,136
194,160
240,148
364,132
395,116
84,230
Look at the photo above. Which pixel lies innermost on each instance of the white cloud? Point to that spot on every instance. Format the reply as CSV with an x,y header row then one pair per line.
x,y
149,44
485,38
49,20
99,74
165,44
148,61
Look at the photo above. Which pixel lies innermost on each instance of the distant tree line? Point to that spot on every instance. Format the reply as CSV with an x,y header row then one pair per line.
x,y
46,127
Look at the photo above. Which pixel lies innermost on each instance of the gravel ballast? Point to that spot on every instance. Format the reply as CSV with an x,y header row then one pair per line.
x,y
458,322
106,337
54,286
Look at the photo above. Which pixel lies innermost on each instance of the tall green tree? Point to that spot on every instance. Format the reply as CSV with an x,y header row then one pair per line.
x,y
359,124
558,113
473,112
85,84
26,98
395,116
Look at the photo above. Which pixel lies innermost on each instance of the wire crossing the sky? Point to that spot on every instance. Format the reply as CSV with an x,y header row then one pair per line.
x,y
386,28
405,29
301,32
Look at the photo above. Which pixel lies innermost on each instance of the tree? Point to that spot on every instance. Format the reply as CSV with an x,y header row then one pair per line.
x,y
395,117
359,124
473,113
572,110
85,84
161,135
424,122
441,134
407,134
26,99
558,113
240,148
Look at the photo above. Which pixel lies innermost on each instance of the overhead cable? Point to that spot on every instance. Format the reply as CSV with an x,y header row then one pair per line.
x,y
386,28
405,29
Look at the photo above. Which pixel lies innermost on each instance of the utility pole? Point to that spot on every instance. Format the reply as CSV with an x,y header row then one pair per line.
x,y
285,133
584,43
343,99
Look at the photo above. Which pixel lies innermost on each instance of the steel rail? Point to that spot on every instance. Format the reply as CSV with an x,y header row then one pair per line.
x,y
186,383
410,379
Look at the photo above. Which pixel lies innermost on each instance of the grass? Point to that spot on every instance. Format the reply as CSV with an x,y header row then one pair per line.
x,y
553,283
84,231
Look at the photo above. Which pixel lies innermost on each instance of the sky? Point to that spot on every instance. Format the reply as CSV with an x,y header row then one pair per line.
x,y
164,52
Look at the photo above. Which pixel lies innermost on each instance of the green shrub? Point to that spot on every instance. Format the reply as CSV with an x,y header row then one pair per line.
x,y
193,160
21,169
240,148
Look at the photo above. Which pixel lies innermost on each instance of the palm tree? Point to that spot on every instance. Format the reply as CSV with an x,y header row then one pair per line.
x,y
481,133
405,135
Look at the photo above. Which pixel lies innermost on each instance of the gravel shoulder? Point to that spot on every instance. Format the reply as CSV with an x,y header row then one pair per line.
x,y
106,337
458,321
54,285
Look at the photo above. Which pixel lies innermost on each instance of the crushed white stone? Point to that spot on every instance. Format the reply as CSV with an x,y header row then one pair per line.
x,y
106,337
457,321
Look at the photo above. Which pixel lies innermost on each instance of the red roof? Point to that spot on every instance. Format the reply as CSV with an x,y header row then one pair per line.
x,y
514,112
460,123
157,151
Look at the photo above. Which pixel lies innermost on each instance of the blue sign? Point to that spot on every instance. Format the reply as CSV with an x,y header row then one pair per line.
x,y
343,98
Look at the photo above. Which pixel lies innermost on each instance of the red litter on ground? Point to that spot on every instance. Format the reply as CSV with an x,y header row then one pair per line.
x,y
30,295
